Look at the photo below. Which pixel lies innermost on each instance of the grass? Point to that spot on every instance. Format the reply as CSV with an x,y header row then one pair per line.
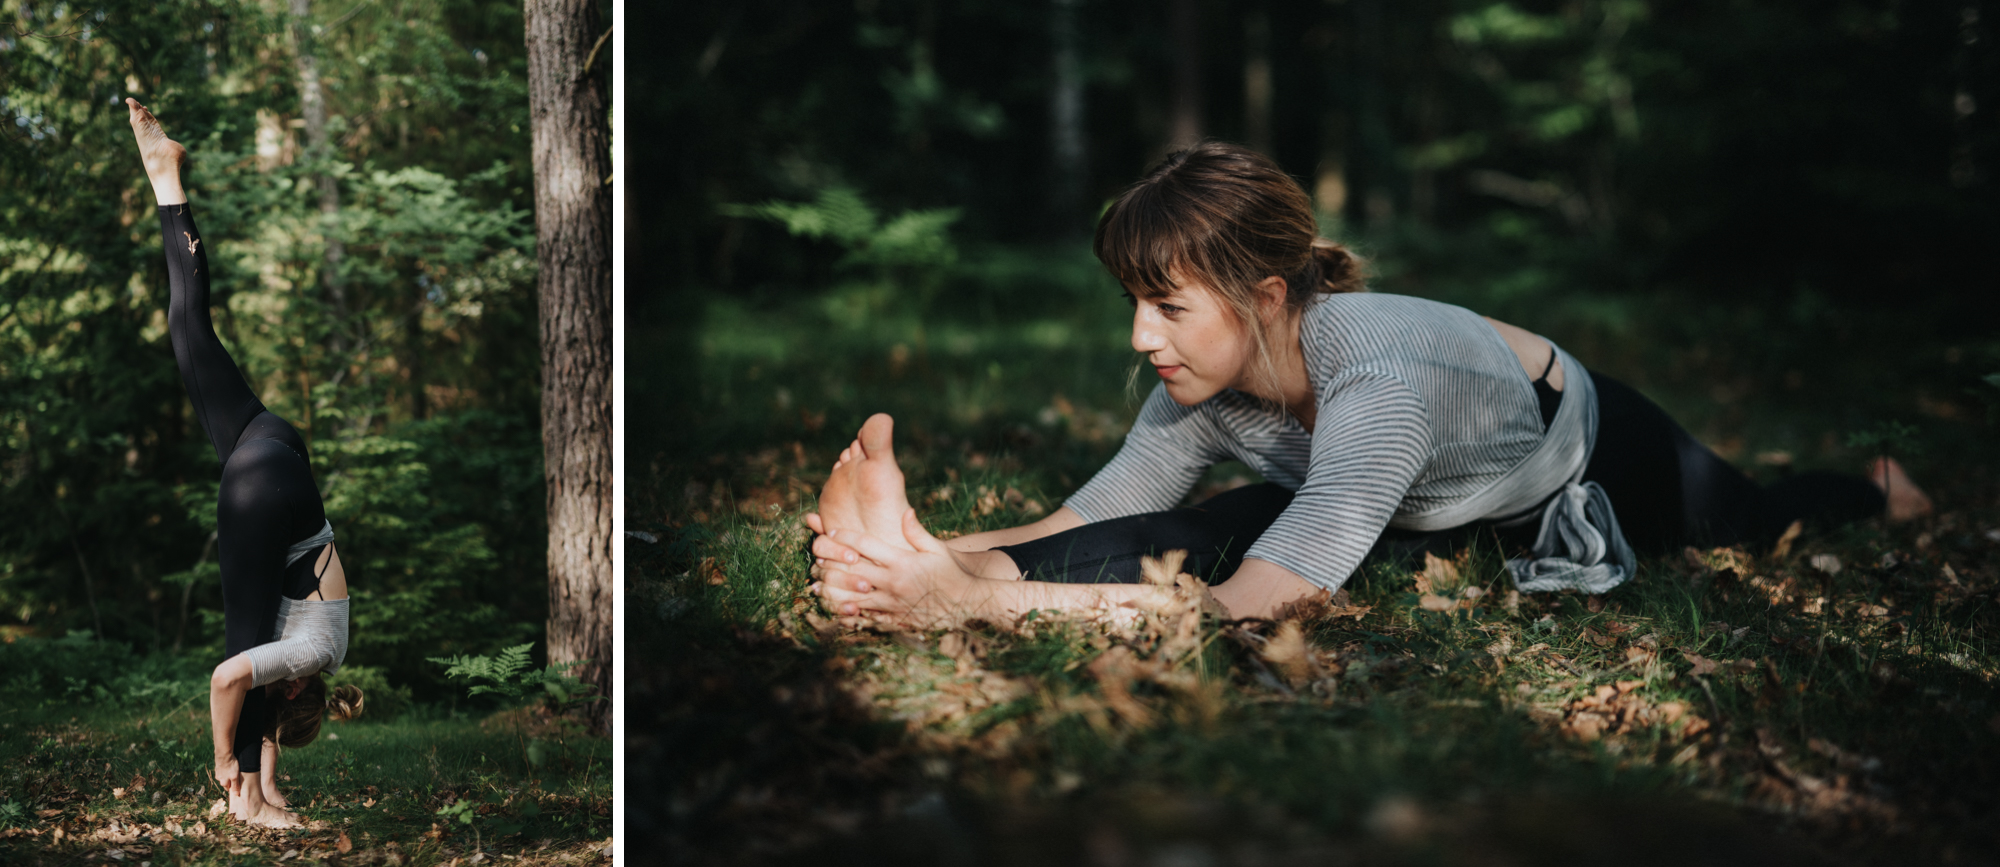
x,y
1831,703
94,783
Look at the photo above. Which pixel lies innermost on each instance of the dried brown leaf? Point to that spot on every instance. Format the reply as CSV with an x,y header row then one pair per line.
x,y
1701,665
1785,540
1291,654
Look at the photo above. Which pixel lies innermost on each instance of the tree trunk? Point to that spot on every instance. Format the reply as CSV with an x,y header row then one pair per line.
x,y
1066,133
1257,81
1186,128
312,104
568,106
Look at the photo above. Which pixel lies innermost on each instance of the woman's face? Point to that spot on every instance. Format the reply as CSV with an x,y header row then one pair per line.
x,y
1193,340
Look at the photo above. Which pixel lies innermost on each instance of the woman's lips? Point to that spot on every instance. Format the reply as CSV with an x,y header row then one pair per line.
x,y
1168,371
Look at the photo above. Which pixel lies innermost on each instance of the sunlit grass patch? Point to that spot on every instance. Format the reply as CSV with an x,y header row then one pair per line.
x,y
89,783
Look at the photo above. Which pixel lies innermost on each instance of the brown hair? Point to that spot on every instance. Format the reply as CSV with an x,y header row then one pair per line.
x,y
295,721
1227,216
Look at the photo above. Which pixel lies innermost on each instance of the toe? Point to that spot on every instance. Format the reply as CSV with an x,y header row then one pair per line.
x,y
877,434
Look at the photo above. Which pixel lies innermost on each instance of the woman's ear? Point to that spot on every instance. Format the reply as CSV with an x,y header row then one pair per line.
x,y
1271,295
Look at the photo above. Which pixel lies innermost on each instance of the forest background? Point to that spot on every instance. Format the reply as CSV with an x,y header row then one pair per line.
x,y
1774,219
362,174
391,323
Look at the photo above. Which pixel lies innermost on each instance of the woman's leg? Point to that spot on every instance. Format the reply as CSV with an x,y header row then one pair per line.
x,y
1215,534
222,401
270,777
1671,491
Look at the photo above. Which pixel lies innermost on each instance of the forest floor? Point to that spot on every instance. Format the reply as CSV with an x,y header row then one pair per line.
x,y
1832,701
89,784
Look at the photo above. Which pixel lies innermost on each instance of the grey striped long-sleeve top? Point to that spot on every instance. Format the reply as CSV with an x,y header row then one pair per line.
x,y
1421,404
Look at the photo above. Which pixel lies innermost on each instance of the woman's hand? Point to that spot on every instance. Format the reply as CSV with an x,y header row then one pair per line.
x,y
227,774
226,688
886,585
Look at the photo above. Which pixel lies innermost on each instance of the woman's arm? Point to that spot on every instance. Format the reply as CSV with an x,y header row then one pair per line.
x,y
226,689
927,588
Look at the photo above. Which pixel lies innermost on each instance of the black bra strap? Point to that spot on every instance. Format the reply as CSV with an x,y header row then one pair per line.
x,y
1552,366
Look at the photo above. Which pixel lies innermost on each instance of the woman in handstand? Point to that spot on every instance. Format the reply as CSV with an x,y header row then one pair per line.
x,y
284,595
1376,419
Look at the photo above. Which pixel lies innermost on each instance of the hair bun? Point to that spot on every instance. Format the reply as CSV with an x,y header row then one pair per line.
x,y
345,703
1339,269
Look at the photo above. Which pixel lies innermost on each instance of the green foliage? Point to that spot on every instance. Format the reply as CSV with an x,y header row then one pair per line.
x,y
913,249
79,669
495,815
512,676
1889,437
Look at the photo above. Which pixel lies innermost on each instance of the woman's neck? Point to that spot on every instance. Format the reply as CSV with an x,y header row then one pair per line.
x,y
1293,388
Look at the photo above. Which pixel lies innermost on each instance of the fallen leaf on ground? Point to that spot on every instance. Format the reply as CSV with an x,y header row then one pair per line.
x,y
343,845
1701,665
1784,546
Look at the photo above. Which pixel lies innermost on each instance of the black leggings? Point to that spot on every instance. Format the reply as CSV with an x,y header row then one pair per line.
x,y
1668,489
268,501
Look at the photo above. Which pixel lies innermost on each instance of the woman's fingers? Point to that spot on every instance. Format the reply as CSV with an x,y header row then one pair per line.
x,y
831,551
848,603
814,523
871,548
918,537
845,580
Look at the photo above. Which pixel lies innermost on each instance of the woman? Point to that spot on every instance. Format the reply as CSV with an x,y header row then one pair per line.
x,y
1377,418
284,595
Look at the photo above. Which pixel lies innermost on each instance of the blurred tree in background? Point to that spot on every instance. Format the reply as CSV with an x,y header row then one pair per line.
x,y
1842,149
374,278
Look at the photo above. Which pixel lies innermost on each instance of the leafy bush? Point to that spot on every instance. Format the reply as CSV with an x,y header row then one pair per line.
x,y
79,669
513,677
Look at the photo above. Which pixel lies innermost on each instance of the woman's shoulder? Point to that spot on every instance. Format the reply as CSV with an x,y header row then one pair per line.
x,y
1355,327
1361,309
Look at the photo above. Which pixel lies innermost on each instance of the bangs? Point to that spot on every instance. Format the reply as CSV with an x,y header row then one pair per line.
x,y
1142,245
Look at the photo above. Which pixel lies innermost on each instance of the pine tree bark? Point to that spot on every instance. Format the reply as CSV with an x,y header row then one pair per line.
x,y
568,105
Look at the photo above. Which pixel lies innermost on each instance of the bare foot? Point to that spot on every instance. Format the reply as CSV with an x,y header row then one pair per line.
x,y
272,797
163,157
1906,500
865,492
273,816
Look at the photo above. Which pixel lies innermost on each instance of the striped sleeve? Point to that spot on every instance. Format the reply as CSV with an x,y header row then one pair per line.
x,y
1372,439
1170,446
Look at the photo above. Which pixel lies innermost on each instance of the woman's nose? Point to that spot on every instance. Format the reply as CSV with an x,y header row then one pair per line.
x,y
1146,336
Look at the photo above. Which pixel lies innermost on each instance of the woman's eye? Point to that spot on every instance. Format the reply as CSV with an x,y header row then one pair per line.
x,y
1170,310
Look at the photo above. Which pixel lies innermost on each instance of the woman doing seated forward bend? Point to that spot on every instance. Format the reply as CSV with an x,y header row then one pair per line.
x,y
284,595
1377,419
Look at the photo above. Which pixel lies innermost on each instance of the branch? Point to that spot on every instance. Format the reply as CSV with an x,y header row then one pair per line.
x,y
596,48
